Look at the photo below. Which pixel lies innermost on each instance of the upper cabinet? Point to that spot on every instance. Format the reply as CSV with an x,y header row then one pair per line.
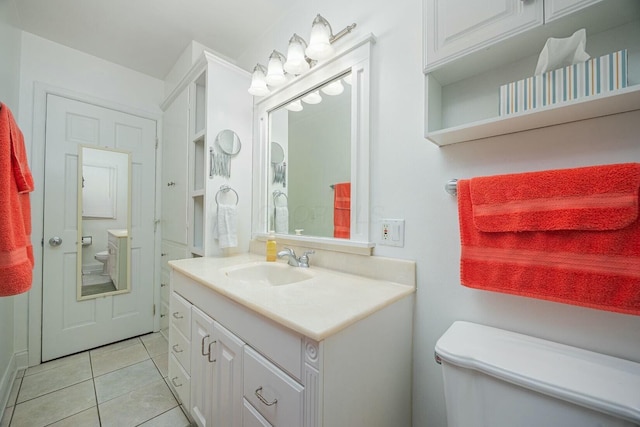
x,y
472,48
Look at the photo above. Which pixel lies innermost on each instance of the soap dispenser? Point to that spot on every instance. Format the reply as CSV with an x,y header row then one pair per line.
x,y
271,247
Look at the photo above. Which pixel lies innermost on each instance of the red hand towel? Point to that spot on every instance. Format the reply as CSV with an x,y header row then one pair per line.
x,y
592,268
342,210
16,181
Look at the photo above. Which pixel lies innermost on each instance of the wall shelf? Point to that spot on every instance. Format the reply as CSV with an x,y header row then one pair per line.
x,y
627,99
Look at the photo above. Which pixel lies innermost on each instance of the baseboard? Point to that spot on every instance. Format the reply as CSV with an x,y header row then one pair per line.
x,y
6,383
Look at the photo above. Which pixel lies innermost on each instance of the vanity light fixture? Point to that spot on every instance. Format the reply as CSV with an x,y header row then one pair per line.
x,y
294,106
275,71
258,84
296,61
333,88
348,79
322,37
312,98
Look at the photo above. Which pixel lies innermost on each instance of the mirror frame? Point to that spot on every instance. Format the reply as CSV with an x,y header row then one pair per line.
x,y
127,289
354,59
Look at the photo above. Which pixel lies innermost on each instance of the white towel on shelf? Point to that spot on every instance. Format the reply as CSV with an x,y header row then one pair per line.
x,y
226,226
282,219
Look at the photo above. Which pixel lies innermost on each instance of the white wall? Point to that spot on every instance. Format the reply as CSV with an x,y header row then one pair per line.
x,y
407,178
9,85
45,63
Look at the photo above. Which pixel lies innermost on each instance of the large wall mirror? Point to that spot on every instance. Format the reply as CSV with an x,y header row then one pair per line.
x,y
313,180
104,222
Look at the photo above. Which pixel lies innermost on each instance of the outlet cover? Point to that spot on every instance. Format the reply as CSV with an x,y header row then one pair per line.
x,y
392,232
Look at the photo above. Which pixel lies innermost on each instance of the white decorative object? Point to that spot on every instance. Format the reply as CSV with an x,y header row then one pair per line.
x,y
558,53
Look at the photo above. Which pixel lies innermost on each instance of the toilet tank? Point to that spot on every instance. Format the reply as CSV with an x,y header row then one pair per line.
x,y
497,378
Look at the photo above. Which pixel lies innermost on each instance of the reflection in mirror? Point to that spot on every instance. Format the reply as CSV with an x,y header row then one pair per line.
x,y
103,222
311,163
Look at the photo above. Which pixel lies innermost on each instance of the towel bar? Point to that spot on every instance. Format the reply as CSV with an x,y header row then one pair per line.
x,y
451,187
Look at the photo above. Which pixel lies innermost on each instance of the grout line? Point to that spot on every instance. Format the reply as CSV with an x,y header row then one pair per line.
x,y
95,392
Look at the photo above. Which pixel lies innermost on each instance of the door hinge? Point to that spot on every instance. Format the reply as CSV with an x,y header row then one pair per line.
x,y
155,225
154,309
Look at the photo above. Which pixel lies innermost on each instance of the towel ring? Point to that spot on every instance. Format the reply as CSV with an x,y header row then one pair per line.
x,y
279,193
225,189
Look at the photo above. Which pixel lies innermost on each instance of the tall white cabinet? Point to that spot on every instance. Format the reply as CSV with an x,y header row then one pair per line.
x,y
471,48
211,97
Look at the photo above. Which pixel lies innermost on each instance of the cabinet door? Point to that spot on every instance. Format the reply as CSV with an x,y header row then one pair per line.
x,y
458,27
555,9
202,368
174,169
228,378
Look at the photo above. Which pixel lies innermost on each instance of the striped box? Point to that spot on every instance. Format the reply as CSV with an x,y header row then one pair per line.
x,y
597,75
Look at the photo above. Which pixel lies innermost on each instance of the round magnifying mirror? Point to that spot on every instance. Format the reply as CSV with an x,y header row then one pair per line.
x,y
228,142
277,153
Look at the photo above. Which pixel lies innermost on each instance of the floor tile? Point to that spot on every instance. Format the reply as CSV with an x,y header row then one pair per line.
x,y
104,362
155,344
6,417
137,406
50,380
125,380
88,418
162,363
75,358
13,396
55,406
172,418
114,347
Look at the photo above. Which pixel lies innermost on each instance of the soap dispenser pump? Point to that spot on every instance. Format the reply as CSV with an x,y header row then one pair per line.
x,y
271,247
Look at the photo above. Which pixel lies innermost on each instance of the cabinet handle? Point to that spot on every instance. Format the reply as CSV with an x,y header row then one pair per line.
x,y
262,399
211,352
202,346
177,315
173,381
177,349
163,254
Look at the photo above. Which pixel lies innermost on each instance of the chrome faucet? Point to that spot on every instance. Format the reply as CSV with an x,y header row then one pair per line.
x,y
293,260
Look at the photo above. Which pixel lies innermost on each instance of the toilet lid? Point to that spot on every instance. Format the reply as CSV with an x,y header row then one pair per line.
x,y
604,383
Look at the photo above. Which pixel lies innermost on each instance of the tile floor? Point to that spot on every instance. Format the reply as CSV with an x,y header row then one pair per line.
x,y
120,385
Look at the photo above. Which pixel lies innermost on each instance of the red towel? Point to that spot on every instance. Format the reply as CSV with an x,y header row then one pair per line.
x,y
593,261
342,210
16,253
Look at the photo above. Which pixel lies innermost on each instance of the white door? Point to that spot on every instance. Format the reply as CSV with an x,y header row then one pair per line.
x,y
68,325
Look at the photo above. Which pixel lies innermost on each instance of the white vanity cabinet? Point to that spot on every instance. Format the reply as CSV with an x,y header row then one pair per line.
x,y
248,370
471,48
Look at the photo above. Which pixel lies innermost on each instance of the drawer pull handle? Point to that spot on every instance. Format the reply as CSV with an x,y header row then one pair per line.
x,y
211,352
202,346
177,315
163,315
173,381
262,399
177,348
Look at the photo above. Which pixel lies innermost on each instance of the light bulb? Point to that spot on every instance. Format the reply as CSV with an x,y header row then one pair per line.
x,y
294,106
258,85
296,61
348,79
320,39
275,72
312,98
333,88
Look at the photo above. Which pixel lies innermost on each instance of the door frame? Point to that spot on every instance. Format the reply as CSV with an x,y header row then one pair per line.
x,y
41,90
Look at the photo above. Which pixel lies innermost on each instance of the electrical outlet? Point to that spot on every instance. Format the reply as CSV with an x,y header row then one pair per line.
x,y
392,232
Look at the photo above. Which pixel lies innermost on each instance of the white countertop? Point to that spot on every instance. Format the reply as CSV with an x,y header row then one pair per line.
x,y
317,308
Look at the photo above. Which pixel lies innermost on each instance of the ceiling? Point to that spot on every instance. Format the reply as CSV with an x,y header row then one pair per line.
x,y
149,35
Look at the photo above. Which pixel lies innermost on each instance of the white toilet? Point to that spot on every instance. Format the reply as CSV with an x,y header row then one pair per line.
x,y
103,257
499,378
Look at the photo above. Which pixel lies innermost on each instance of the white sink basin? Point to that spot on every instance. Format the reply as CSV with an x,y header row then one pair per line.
x,y
268,273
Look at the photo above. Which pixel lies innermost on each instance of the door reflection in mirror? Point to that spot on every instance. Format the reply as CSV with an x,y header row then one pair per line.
x,y
103,222
313,146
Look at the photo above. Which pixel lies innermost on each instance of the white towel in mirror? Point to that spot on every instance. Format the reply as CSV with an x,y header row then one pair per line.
x,y
226,226
282,219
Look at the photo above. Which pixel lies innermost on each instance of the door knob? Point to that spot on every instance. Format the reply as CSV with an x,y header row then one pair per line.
x,y
55,241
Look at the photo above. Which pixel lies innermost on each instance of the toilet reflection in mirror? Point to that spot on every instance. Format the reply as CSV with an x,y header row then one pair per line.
x,y
104,218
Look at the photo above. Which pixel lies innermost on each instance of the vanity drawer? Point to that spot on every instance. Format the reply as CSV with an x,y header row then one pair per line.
x,y
180,381
180,314
180,348
251,417
276,396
